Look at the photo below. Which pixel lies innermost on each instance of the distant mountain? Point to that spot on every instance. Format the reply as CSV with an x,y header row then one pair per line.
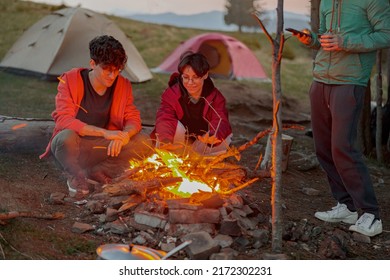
x,y
210,20
214,20
292,20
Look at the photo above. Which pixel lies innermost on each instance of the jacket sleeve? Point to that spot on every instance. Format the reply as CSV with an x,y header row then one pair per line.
x,y
67,105
218,117
132,115
167,117
378,15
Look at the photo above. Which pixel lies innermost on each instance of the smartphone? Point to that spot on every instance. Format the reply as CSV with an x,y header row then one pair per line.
x,y
297,32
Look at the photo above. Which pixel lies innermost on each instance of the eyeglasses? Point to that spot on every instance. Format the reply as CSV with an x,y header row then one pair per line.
x,y
194,79
107,70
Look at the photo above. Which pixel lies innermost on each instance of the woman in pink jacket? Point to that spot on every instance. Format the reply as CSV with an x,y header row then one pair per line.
x,y
192,110
96,123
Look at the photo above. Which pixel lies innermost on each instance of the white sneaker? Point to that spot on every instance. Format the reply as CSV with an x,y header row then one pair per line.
x,y
339,213
367,225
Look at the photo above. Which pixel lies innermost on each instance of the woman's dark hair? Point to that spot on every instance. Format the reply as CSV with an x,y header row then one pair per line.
x,y
197,61
107,51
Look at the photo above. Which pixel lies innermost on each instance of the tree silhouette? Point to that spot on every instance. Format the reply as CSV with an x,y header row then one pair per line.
x,y
239,11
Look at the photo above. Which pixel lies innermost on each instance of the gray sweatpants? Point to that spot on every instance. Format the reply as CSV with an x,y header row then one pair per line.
x,y
335,112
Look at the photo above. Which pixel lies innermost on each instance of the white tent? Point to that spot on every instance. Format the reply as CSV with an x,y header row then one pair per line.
x,y
59,42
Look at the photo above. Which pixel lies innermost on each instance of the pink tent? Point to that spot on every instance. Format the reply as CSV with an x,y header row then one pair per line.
x,y
228,57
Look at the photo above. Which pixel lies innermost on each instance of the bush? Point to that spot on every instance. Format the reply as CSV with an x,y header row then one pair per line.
x,y
288,52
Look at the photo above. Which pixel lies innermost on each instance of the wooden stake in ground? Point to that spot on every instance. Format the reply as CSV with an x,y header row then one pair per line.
x,y
276,136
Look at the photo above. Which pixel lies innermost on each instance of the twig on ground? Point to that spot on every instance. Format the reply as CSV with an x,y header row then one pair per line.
x,y
13,248
2,252
15,214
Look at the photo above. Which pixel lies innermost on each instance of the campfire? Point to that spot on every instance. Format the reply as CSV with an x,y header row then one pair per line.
x,y
169,197
168,176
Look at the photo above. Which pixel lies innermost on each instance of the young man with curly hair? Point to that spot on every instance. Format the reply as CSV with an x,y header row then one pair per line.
x,y
96,123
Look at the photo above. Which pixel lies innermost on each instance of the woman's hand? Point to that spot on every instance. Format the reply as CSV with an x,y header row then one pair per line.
x,y
170,146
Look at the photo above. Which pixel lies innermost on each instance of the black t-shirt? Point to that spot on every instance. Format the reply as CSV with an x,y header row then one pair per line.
x,y
95,109
193,119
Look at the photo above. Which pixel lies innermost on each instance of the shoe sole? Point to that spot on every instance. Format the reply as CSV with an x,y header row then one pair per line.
x,y
348,220
73,192
369,234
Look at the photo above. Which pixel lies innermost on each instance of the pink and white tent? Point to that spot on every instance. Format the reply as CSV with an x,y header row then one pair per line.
x,y
228,57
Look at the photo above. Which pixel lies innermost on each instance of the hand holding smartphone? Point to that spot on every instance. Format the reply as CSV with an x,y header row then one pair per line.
x,y
297,32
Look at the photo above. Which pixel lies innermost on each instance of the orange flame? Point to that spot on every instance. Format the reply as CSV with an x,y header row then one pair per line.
x,y
175,166
187,187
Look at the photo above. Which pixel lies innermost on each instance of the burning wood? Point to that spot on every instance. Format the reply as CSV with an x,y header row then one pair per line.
x,y
241,187
186,176
190,176
133,201
127,186
202,197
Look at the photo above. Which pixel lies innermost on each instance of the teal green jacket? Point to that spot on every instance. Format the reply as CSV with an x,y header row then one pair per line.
x,y
364,26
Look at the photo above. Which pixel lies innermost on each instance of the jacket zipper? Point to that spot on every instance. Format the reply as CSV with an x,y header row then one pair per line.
x,y
336,8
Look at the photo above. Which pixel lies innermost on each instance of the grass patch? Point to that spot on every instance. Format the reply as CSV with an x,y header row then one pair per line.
x,y
26,97
16,233
16,17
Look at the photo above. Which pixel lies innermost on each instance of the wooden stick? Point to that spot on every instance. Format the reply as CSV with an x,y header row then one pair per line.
x,y
259,135
241,187
127,174
16,214
263,133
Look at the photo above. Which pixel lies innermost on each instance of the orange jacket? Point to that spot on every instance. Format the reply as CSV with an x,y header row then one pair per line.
x,y
70,93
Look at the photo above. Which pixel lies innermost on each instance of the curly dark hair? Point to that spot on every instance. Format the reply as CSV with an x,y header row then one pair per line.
x,y
197,61
107,51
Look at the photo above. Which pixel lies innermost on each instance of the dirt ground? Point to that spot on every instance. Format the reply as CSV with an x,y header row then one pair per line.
x,y
305,190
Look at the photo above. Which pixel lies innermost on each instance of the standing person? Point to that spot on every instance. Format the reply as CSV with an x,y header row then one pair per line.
x,y
96,123
192,110
350,33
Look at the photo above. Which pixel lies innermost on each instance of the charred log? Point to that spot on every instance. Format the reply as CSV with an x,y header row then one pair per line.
x,y
128,187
